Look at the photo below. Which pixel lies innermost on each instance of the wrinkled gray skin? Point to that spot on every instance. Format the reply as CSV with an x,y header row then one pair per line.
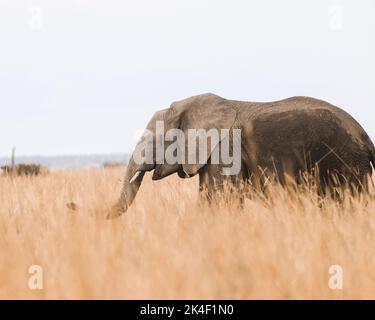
x,y
281,138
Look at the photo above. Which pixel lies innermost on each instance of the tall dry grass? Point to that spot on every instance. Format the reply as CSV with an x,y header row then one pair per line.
x,y
166,246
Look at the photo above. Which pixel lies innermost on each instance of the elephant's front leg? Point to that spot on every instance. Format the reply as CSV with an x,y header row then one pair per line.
x,y
214,187
209,180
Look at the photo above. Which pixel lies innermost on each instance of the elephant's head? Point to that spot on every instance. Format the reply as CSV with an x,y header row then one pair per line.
x,y
206,112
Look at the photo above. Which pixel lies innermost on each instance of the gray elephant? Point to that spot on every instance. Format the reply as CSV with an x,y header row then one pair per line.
x,y
285,138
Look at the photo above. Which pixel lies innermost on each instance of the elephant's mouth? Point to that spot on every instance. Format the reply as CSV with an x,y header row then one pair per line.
x,y
140,171
156,174
182,174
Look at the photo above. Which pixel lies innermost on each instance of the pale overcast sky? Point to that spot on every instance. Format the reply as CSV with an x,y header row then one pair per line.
x,y
82,76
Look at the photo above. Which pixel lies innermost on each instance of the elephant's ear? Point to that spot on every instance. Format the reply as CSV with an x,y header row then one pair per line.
x,y
204,112
201,117
170,121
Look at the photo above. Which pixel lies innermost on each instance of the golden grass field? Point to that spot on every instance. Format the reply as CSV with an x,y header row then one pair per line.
x,y
167,247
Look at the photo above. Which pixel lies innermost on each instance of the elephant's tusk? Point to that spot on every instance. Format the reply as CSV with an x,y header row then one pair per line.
x,y
186,174
135,176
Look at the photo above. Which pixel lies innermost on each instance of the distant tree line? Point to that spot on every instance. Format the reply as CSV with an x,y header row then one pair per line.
x,y
23,169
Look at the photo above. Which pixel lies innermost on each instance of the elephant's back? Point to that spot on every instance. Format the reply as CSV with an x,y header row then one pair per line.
x,y
316,116
305,131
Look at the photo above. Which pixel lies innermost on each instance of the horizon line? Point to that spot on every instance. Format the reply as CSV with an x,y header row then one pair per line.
x,y
65,155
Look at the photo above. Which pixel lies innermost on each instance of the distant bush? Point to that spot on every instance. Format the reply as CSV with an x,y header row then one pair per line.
x,y
113,164
25,170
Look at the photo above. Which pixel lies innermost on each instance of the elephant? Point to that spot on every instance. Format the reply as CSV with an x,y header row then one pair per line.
x,y
284,139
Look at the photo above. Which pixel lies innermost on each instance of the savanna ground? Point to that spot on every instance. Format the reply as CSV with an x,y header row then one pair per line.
x,y
167,247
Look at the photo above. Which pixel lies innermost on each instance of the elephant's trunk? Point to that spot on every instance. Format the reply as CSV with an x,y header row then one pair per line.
x,y
132,182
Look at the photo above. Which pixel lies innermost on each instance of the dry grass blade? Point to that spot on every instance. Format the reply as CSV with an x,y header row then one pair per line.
x,y
167,246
